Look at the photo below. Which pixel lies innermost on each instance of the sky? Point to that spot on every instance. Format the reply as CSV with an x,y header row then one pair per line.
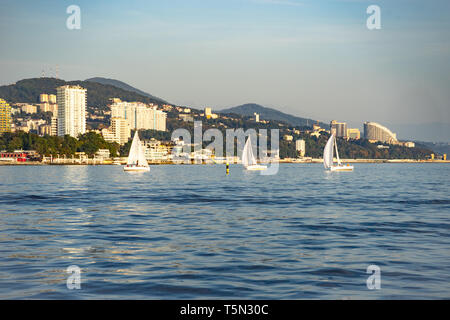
x,y
310,58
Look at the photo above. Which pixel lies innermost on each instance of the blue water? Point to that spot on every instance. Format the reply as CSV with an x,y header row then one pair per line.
x,y
191,232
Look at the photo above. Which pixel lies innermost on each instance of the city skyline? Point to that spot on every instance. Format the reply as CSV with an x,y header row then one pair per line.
x,y
312,59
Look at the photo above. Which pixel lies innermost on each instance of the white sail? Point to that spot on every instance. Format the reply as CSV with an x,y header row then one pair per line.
x,y
137,155
248,159
328,153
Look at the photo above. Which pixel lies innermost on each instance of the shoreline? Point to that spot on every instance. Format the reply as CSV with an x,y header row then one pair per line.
x,y
289,161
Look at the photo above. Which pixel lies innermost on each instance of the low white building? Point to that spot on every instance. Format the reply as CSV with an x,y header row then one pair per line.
x,y
103,153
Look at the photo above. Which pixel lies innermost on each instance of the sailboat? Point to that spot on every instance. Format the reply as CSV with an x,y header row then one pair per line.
x,y
248,159
328,157
136,159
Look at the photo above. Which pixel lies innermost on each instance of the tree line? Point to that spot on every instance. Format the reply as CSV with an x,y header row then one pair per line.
x,y
88,143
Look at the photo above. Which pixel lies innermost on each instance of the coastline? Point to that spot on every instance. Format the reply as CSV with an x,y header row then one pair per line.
x,y
291,161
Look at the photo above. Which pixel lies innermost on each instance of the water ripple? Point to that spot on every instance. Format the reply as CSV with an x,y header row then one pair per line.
x,y
191,232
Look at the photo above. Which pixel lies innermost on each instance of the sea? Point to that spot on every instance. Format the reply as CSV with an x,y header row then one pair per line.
x,y
194,232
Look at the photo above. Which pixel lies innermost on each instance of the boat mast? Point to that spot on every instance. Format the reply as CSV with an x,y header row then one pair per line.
x,y
337,153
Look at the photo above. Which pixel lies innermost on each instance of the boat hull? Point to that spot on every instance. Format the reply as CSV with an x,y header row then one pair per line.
x,y
255,167
342,168
136,169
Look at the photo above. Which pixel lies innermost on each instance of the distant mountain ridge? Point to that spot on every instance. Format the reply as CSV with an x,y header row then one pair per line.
x,y
124,86
265,113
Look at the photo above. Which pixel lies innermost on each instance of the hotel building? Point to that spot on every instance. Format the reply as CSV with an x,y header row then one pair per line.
x,y
376,132
71,110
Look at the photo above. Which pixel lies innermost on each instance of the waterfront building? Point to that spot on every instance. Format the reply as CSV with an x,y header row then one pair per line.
x,y
71,102
300,147
339,129
103,154
156,151
16,156
353,134
376,132
139,115
5,116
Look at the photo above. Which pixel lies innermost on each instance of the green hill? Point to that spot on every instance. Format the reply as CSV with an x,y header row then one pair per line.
x,y
124,86
98,95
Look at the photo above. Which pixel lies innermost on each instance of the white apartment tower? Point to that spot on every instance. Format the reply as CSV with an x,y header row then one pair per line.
x,y
71,110
139,115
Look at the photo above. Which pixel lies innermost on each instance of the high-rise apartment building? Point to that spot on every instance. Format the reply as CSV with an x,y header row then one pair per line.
x,y
5,116
339,129
71,110
376,132
118,132
139,115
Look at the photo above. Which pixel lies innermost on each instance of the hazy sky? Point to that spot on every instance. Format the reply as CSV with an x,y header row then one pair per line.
x,y
306,57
